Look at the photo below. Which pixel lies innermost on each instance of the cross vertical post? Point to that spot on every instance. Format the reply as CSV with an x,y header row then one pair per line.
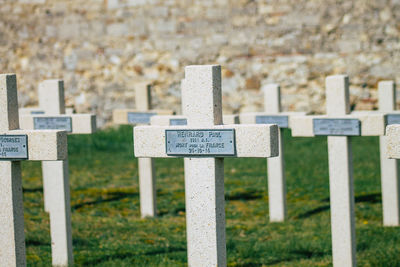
x,y
12,241
55,174
276,165
147,176
341,176
204,177
389,167
17,145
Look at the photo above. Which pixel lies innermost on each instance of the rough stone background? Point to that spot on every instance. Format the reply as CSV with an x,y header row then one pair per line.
x,y
104,48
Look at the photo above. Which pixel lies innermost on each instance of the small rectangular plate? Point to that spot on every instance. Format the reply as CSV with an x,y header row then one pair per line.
x,y
13,147
178,122
139,117
37,112
53,123
337,127
281,121
392,119
200,143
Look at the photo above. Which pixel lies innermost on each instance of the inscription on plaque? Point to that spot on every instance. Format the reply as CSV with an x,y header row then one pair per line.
x,y
13,147
281,121
177,122
393,119
204,143
37,112
53,123
139,117
339,127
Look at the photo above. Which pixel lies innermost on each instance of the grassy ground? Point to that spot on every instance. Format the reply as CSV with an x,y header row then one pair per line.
x,y
108,231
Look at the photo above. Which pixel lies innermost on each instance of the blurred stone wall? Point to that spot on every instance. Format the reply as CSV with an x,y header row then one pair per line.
x,y
103,49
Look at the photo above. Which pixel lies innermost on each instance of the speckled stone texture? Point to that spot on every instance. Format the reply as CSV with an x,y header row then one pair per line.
x,y
393,141
341,177
42,145
204,184
389,167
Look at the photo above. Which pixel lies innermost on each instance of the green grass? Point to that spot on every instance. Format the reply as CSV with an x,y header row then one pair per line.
x,y
108,230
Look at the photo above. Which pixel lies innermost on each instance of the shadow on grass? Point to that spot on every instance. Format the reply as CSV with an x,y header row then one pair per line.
x,y
31,242
370,198
113,197
125,255
297,255
247,195
32,190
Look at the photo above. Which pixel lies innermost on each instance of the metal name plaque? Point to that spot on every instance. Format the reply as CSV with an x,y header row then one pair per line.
x,y
37,112
338,127
139,117
13,147
281,121
200,143
53,123
178,122
392,119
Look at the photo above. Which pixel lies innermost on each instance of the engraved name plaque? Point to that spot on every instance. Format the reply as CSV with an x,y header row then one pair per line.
x,y
139,117
281,121
37,112
177,122
13,147
338,127
53,123
200,143
392,119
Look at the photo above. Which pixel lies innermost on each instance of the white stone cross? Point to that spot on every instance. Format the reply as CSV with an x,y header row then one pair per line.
x,y
389,167
139,116
339,125
204,142
17,145
56,190
276,166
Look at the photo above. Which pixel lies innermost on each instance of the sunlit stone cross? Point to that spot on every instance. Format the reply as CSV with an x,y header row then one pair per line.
x,y
141,116
339,126
55,173
204,142
15,146
389,167
276,166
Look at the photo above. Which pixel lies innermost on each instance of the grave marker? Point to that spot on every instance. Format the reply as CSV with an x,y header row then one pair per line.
x,y
55,173
389,167
138,116
204,176
17,145
276,166
340,161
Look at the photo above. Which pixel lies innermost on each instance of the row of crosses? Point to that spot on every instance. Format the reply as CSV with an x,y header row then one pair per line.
x,y
203,137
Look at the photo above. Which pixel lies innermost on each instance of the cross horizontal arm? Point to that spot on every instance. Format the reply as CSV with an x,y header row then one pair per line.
x,y
393,142
45,144
252,141
250,118
120,116
371,124
165,120
81,123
